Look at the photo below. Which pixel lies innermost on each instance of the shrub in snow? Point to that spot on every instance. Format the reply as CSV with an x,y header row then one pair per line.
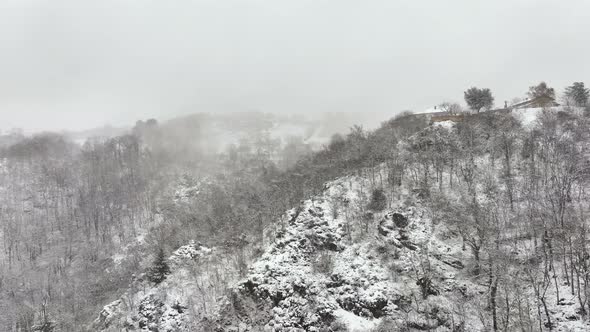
x,y
391,221
108,315
388,325
338,327
378,200
44,327
426,287
46,324
150,310
323,263
400,220
189,252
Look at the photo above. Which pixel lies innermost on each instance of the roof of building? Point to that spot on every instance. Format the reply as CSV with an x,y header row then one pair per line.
x,y
532,101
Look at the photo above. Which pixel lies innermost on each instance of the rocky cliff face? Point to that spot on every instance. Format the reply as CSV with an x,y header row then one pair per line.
x,y
332,265
173,305
326,271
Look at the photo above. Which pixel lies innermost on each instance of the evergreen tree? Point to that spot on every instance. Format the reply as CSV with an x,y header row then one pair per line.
x,y
541,90
577,94
160,269
378,200
478,99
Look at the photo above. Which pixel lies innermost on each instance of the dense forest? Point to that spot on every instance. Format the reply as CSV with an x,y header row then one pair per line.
x,y
294,166
69,209
80,223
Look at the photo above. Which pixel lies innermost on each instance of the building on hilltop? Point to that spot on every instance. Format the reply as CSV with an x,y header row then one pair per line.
x,y
440,116
446,116
541,101
437,114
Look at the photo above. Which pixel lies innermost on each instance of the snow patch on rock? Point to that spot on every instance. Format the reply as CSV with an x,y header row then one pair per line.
x,y
300,295
168,306
355,323
187,189
191,251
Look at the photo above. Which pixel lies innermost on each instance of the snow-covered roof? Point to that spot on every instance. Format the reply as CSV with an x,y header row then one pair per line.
x,y
531,101
434,109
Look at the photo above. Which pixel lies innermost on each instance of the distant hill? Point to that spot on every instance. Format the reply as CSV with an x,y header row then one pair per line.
x,y
106,131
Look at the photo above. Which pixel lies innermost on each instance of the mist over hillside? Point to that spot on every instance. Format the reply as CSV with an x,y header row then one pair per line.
x,y
294,166
186,224
215,132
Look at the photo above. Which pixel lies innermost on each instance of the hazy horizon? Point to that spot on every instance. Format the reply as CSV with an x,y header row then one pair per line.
x,y
78,65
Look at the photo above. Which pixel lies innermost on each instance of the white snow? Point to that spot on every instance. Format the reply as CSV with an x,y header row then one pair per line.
x,y
527,116
355,323
167,306
191,251
434,109
448,124
187,190
368,278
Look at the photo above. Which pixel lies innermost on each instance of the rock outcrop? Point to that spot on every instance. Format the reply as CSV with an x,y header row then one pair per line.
x,y
328,267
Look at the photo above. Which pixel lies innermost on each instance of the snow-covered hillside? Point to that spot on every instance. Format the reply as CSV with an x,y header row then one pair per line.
x,y
321,274
529,116
405,272
337,263
173,305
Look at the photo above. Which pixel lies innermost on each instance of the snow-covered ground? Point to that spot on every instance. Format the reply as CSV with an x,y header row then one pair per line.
x,y
529,116
360,281
332,265
448,124
355,323
173,305
324,271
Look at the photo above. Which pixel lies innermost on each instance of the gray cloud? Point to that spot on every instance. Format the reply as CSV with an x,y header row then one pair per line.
x,y
79,64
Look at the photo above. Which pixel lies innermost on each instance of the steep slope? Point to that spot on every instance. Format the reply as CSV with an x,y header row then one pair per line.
x,y
325,273
173,305
333,266
339,262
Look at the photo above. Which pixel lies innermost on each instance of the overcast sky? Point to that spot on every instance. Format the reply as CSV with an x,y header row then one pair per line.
x,y
80,64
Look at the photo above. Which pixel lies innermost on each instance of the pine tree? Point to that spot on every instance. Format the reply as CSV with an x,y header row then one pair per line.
x,y
577,94
160,269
